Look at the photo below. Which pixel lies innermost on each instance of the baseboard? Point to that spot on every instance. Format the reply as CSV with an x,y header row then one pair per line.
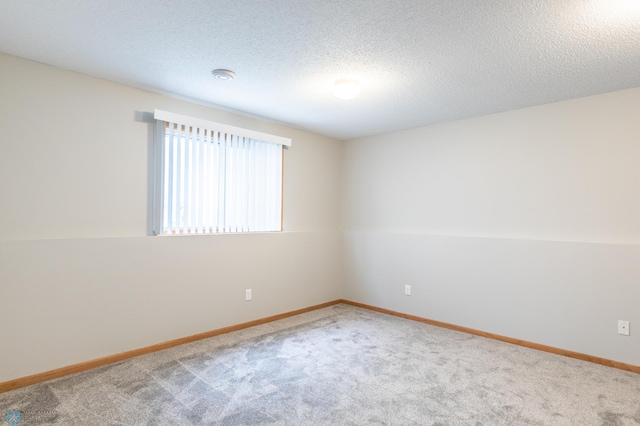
x,y
99,362
545,348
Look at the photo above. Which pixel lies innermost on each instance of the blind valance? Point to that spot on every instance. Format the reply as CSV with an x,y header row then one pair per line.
x,y
212,126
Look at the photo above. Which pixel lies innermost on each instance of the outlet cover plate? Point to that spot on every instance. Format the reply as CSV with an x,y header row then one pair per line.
x,y
623,327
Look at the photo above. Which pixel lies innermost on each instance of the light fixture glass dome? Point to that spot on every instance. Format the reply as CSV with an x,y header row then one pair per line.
x,y
346,88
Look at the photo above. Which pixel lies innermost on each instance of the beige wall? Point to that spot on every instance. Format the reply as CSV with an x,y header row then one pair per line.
x,y
523,223
79,276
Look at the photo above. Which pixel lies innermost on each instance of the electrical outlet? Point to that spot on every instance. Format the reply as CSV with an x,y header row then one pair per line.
x,y
623,327
247,294
407,290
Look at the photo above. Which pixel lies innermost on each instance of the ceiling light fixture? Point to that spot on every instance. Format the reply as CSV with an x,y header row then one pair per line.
x,y
346,88
224,75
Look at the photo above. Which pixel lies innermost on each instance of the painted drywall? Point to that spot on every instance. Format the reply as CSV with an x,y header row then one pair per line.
x,y
523,223
80,277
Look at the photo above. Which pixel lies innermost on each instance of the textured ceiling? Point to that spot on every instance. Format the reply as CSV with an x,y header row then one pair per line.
x,y
420,62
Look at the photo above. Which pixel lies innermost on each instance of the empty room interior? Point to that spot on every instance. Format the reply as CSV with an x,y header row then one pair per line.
x,y
453,239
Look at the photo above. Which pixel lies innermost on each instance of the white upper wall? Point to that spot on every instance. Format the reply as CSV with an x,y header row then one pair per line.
x,y
563,171
74,157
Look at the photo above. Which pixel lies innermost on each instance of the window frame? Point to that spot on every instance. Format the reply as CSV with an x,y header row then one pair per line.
x,y
245,139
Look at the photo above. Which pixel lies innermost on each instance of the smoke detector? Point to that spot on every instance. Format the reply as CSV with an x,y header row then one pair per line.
x,y
224,75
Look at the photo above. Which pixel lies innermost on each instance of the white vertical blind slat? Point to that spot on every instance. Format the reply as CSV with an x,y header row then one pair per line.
x,y
206,183
187,180
237,200
274,199
261,185
222,183
159,178
247,184
198,189
213,180
169,199
179,211
195,178
229,213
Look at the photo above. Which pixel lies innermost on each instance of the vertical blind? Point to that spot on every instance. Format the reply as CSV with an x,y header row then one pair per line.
x,y
212,181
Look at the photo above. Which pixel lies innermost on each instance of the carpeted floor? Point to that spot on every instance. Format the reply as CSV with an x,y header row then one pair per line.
x,y
337,366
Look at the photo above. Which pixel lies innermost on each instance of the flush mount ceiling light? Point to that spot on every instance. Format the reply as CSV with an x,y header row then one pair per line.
x,y
224,75
346,88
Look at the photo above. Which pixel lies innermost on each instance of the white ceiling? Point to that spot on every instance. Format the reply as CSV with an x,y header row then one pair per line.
x,y
420,62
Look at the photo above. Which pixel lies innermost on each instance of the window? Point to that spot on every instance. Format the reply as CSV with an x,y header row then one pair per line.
x,y
212,178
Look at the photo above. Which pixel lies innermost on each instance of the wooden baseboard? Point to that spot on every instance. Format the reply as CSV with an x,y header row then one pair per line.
x,y
545,348
99,362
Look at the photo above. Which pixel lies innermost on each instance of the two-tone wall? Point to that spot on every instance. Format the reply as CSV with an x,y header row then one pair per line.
x,y
524,224
80,277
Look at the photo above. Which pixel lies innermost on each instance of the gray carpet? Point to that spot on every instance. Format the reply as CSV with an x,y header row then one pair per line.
x,y
338,366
